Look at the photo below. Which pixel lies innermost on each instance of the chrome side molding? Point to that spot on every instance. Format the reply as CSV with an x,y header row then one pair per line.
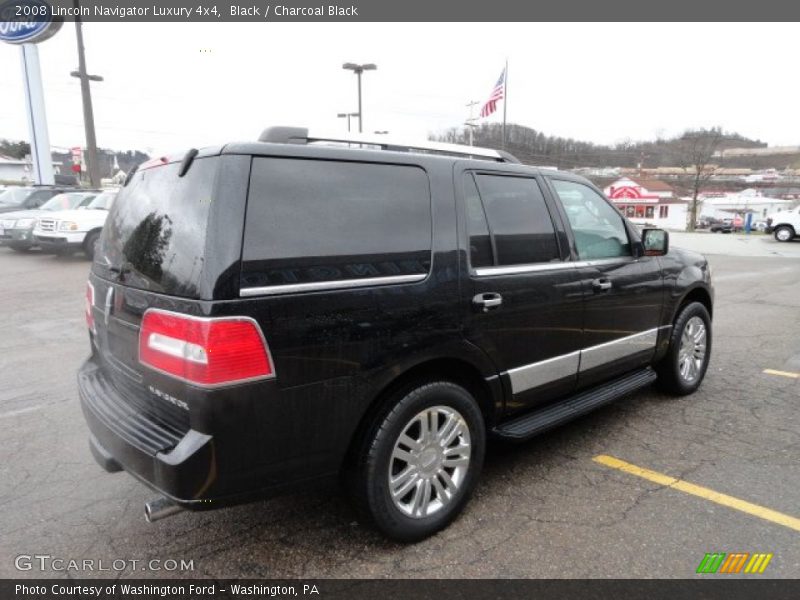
x,y
318,286
527,377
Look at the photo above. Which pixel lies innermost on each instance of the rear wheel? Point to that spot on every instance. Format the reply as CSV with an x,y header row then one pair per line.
x,y
784,233
682,370
420,461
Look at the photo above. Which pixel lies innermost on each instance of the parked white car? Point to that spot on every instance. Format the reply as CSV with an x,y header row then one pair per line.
x,y
68,231
784,225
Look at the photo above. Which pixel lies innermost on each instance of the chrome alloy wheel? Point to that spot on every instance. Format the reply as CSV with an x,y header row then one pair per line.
x,y
692,351
783,234
429,461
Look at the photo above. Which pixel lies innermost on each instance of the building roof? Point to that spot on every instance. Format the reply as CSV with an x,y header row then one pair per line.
x,y
653,185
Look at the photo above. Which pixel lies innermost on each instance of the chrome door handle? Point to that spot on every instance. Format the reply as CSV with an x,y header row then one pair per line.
x,y
601,285
487,301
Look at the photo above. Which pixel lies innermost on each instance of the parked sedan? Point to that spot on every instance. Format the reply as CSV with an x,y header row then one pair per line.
x,y
16,228
721,227
28,198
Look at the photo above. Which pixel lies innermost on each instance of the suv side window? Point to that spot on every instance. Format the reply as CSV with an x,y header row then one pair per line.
x,y
597,226
313,221
480,243
519,222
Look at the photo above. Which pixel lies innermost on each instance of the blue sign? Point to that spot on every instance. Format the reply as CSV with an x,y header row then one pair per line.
x,y
27,21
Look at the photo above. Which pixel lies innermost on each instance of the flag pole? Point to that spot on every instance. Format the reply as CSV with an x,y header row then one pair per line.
x,y
505,103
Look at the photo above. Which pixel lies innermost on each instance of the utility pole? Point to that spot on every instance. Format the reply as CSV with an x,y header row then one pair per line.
x,y
471,125
358,70
86,94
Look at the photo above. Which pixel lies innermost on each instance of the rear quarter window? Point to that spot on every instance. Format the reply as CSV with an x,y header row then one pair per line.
x,y
155,233
311,221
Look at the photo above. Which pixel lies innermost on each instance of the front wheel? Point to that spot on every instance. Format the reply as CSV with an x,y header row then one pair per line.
x,y
90,244
420,461
682,370
784,233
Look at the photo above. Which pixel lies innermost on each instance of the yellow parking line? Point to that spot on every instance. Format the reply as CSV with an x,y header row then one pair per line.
x,y
782,373
701,492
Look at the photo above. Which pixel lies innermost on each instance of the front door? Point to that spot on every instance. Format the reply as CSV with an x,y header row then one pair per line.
x,y
524,300
623,292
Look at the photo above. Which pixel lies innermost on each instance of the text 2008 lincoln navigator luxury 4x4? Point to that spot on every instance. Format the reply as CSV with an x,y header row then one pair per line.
x,y
271,315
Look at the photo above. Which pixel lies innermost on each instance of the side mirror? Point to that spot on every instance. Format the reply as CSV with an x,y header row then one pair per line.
x,y
655,242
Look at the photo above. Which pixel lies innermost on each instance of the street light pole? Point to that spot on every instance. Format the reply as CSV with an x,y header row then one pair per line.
x,y
86,94
358,70
360,111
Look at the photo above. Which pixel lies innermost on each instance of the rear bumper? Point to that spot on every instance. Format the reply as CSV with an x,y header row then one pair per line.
x,y
182,468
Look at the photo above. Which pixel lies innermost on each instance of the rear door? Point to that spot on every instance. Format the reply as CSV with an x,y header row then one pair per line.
x,y
523,297
623,292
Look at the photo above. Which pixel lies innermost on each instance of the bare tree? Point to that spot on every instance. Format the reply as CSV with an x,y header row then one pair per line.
x,y
694,152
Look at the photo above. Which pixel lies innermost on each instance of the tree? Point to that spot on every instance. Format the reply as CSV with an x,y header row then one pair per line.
x,y
694,152
14,149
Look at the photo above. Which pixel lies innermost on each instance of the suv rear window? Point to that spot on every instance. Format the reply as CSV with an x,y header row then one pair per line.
x,y
155,234
312,221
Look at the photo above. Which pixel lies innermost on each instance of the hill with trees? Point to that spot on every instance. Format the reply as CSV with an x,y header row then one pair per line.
x,y
537,148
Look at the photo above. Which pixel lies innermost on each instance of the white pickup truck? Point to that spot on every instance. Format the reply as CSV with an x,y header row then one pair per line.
x,y
67,231
784,225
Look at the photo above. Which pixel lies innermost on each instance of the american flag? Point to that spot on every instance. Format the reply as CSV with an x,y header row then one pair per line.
x,y
497,94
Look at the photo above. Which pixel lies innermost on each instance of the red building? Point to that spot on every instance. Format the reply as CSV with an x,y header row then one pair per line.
x,y
648,201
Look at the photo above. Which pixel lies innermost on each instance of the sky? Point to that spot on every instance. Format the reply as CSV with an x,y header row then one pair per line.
x,y
170,86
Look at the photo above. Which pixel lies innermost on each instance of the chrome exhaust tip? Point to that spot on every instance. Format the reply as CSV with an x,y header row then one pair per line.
x,y
160,508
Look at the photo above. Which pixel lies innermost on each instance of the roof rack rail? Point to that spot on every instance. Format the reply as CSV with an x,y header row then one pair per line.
x,y
301,135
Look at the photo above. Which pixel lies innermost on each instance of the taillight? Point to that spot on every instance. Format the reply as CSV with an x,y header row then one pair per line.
x,y
89,304
208,352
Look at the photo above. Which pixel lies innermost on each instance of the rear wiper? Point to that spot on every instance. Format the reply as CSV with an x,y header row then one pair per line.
x,y
120,271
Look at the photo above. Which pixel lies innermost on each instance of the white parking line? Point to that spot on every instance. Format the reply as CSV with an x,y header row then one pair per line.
x,y
788,374
21,411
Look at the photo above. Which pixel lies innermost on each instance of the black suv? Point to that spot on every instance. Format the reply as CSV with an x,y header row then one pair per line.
x,y
273,315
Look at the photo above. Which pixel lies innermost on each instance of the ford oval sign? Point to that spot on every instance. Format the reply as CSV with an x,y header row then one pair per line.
x,y
27,21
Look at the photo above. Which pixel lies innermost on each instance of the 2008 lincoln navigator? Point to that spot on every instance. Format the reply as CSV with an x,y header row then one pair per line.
x,y
270,315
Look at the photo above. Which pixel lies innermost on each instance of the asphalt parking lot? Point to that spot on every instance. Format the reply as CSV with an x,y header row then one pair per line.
x,y
543,509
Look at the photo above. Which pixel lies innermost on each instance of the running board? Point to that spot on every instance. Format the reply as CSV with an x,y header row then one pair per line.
x,y
538,421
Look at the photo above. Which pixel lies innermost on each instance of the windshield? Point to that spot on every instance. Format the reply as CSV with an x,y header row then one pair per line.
x,y
67,201
103,201
14,197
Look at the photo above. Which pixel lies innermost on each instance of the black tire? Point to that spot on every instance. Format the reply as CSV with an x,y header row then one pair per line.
x,y
369,477
90,243
670,378
784,231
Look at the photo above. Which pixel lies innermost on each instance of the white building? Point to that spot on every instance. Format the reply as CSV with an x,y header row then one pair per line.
x,y
741,203
648,202
14,170
20,171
